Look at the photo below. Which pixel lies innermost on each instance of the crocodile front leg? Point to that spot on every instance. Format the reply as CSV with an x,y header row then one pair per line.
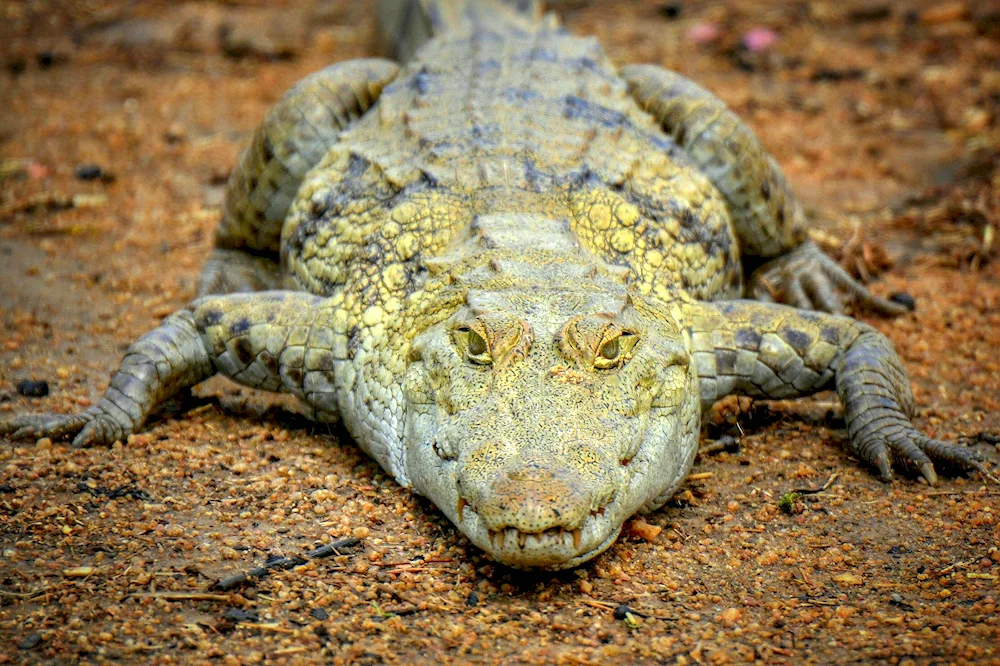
x,y
766,216
275,341
772,351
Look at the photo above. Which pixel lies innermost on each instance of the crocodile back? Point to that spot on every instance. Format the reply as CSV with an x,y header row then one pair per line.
x,y
404,25
527,121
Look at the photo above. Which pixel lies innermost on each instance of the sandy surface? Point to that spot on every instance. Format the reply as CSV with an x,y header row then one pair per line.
x,y
886,119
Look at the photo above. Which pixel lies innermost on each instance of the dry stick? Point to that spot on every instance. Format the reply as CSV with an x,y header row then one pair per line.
x,y
813,491
257,573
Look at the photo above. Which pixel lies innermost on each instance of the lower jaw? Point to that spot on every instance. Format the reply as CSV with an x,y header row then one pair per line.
x,y
538,559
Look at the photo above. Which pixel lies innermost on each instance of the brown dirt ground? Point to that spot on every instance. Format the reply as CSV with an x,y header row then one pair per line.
x,y
886,119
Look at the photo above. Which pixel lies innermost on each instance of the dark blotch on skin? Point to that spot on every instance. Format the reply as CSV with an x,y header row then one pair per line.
x,y
830,334
244,350
269,362
294,375
747,338
579,108
240,326
725,361
209,318
798,340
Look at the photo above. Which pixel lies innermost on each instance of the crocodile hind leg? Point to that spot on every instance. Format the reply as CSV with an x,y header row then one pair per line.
x,y
294,136
275,341
772,351
767,218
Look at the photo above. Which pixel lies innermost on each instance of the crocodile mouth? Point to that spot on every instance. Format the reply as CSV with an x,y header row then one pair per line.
x,y
554,548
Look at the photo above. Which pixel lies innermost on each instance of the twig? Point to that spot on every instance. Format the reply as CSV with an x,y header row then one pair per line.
x,y
813,491
603,605
955,566
289,650
257,573
24,595
270,626
700,476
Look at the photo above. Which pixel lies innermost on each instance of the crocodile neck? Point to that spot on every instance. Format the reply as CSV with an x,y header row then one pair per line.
x,y
522,252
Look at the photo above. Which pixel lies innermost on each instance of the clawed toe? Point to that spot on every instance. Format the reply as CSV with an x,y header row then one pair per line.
x,y
919,453
56,426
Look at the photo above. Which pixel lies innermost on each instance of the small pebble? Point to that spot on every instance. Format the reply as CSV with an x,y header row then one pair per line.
x,y
904,299
46,59
730,616
33,389
472,600
319,614
622,612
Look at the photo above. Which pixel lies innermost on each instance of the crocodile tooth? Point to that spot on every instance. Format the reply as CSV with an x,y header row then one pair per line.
x,y
462,502
499,542
522,538
492,536
577,537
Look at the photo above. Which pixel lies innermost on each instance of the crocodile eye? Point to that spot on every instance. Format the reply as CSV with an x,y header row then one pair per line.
x,y
614,352
477,345
477,350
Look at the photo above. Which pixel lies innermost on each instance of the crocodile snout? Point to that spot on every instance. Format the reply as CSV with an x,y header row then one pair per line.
x,y
532,496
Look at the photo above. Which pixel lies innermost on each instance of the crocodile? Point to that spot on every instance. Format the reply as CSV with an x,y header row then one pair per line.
x,y
519,275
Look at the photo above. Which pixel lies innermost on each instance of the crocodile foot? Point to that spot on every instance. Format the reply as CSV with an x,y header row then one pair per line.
x,y
909,448
85,429
807,278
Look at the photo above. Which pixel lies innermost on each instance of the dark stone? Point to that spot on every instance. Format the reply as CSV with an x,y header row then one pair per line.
x,y
33,389
16,66
729,444
235,615
871,13
622,611
46,59
830,74
472,600
89,172
670,10
319,614
31,641
904,299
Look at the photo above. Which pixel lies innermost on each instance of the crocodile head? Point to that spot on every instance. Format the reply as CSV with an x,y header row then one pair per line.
x,y
539,420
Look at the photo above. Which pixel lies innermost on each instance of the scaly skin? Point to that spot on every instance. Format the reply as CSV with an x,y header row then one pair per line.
x,y
509,269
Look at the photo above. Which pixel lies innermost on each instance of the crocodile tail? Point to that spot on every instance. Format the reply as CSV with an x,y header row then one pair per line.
x,y
404,25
